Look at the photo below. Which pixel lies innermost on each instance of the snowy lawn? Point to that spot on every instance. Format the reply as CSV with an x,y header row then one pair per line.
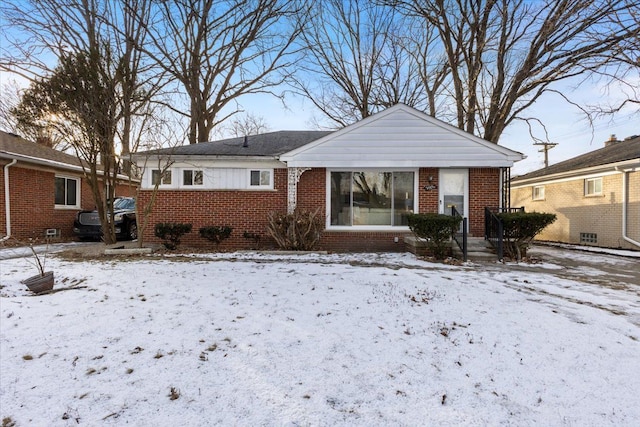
x,y
322,340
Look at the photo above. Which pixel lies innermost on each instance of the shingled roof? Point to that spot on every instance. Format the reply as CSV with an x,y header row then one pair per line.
x,y
617,152
13,146
270,144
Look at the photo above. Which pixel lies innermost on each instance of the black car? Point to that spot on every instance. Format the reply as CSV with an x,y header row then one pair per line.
x,y
87,223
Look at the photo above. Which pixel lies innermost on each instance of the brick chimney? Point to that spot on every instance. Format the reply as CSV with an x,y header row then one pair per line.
x,y
612,140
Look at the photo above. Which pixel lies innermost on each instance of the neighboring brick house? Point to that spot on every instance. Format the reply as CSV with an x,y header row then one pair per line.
x,y
44,189
596,196
363,179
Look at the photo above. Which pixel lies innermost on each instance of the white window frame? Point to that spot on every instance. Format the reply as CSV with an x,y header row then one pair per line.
x,y
268,186
162,184
595,180
192,184
539,194
399,228
78,185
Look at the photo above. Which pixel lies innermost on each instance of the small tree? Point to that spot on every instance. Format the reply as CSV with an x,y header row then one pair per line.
x,y
436,229
520,228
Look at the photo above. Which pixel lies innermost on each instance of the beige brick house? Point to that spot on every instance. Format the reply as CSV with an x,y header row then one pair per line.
x,y
596,196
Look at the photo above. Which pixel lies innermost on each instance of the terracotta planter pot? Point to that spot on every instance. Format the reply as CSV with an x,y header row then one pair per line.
x,y
40,283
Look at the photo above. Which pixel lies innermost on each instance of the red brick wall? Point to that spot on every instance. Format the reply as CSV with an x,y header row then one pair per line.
x,y
428,199
484,191
244,211
247,211
32,202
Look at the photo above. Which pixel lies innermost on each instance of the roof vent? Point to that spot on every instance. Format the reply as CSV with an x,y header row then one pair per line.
x,y
245,144
612,140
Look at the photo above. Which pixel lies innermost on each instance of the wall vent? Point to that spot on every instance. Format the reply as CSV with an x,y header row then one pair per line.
x,y
52,232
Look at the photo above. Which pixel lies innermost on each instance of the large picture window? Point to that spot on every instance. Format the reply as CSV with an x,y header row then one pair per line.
x,y
66,192
371,198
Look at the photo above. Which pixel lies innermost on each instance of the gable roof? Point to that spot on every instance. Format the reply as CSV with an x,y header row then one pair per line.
x,y
616,153
15,147
270,144
401,136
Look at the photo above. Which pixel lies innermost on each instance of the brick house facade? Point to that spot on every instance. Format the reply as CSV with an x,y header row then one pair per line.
x,y
398,155
596,196
32,170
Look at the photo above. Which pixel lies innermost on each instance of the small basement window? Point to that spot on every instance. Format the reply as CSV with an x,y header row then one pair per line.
x,y
588,238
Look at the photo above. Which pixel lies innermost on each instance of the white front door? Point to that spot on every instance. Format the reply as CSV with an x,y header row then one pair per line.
x,y
454,191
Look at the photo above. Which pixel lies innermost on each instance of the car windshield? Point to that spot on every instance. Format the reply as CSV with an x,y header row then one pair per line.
x,y
123,204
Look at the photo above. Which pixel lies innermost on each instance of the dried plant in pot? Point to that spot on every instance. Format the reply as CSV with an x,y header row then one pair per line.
x,y
43,281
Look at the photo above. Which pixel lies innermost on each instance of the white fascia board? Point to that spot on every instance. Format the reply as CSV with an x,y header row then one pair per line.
x,y
53,164
400,164
209,161
608,169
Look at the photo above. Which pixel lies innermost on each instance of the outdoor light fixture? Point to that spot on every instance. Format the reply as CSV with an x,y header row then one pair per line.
x,y
430,186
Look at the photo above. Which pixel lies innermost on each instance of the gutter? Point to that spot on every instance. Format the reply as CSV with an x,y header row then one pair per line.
x,y
625,205
51,163
7,200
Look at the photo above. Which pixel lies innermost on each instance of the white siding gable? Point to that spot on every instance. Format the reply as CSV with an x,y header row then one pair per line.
x,y
400,137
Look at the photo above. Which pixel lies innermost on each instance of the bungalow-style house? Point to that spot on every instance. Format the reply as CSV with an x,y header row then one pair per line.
x,y
596,196
42,190
362,179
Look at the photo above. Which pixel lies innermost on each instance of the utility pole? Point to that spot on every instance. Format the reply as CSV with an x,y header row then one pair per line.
x,y
546,147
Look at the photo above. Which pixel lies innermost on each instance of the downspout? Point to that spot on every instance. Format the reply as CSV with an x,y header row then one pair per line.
x,y
625,203
7,199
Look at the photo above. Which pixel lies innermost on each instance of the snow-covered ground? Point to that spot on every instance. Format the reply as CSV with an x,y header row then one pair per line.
x,y
385,339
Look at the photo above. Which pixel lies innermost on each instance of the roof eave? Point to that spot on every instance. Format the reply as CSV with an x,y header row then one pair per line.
x,y
627,165
51,163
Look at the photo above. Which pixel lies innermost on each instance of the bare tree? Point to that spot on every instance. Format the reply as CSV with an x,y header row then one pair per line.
x,y
621,72
45,31
503,55
246,124
216,51
345,43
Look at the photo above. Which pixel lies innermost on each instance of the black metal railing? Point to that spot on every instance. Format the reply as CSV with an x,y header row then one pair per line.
x,y
493,230
461,236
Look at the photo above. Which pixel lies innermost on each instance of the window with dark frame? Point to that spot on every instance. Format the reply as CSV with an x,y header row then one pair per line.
x,y
192,177
66,191
160,178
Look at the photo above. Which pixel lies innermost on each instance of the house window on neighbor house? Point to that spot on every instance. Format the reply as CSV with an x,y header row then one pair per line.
x,y
160,178
192,177
371,198
538,192
593,186
262,178
67,192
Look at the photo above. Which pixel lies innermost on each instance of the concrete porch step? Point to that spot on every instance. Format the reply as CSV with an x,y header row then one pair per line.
x,y
478,249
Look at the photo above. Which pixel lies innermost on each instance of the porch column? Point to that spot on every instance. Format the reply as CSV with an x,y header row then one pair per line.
x,y
292,187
